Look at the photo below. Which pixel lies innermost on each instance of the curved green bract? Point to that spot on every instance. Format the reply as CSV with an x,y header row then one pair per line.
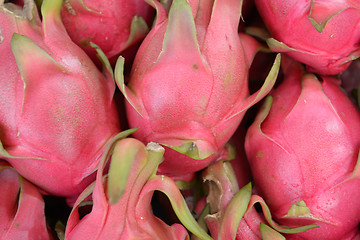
x,y
190,149
167,186
267,233
234,213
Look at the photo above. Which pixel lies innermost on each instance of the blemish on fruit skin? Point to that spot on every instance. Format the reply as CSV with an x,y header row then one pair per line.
x,y
201,107
195,66
228,80
69,8
260,154
84,42
1,36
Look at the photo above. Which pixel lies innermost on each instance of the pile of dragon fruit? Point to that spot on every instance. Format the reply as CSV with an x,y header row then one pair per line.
x,y
179,119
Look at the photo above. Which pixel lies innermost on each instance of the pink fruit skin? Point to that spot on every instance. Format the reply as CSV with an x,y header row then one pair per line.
x,y
249,227
329,52
21,206
189,81
305,147
105,23
59,113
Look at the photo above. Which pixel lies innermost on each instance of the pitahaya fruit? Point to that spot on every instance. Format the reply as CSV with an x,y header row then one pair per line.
x,y
22,207
323,34
114,26
57,111
188,86
121,200
303,150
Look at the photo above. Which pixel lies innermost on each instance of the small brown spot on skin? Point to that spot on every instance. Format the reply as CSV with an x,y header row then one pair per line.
x,y
260,154
201,107
228,80
84,42
195,66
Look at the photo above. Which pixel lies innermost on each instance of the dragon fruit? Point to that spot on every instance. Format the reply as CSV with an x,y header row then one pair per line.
x,y
57,111
114,26
303,150
121,200
21,206
188,85
323,34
